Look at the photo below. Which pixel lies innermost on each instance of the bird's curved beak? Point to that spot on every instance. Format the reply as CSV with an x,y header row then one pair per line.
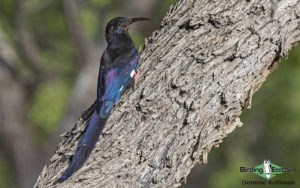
x,y
132,20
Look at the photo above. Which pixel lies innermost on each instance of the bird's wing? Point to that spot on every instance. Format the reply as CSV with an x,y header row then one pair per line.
x,y
105,59
116,77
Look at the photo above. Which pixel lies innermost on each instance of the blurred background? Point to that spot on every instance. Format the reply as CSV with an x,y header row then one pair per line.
x,y
49,60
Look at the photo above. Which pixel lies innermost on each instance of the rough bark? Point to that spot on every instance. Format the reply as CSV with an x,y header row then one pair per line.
x,y
199,70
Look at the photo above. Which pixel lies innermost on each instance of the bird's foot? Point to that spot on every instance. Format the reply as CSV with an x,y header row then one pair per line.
x,y
136,74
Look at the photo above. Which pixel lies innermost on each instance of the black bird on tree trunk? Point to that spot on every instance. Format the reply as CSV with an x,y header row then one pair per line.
x,y
118,71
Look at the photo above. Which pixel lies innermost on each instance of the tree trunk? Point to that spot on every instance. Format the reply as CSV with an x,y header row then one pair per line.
x,y
15,135
198,71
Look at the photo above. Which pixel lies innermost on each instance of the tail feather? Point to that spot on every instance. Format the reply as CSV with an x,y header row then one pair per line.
x,y
86,145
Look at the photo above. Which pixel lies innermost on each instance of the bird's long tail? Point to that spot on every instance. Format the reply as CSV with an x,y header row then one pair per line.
x,y
85,147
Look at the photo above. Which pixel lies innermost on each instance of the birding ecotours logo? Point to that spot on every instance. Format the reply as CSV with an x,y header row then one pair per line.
x,y
270,170
267,169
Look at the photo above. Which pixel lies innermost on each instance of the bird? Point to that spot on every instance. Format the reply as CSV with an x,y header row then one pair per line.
x,y
118,71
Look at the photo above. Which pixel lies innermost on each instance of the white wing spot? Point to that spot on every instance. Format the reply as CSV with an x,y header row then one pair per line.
x,y
132,73
121,88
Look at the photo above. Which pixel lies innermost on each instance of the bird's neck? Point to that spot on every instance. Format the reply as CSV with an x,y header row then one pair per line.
x,y
119,41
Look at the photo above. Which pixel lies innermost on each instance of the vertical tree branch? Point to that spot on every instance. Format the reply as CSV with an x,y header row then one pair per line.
x,y
14,132
26,42
81,43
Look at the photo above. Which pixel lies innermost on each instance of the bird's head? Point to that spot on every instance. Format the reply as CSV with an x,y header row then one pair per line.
x,y
120,25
